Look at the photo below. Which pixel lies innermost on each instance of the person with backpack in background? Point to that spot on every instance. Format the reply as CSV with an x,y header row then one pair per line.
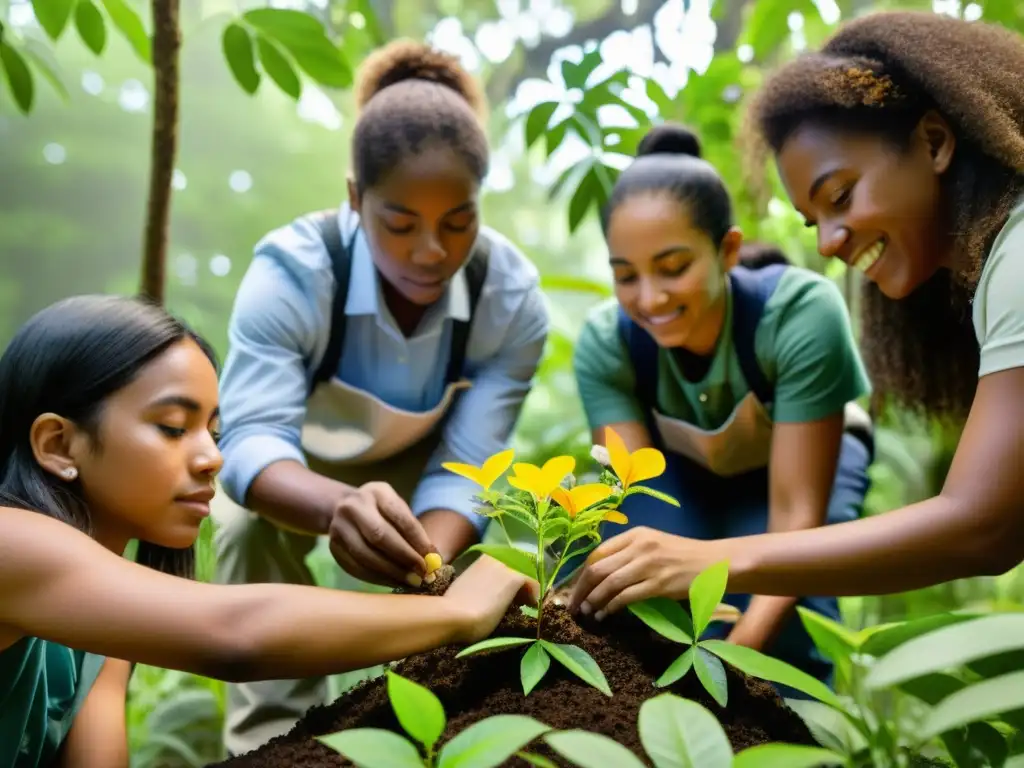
x,y
368,346
745,378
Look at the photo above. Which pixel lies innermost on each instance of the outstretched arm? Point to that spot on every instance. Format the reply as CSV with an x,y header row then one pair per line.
x,y
99,736
60,585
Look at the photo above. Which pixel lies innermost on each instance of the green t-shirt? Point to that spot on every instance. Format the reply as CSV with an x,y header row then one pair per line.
x,y
804,344
42,687
999,301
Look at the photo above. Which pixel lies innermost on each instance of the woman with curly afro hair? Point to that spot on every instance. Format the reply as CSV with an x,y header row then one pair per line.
x,y
371,346
902,143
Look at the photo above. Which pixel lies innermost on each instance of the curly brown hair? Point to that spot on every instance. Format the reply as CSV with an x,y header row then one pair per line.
x,y
880,74
411,96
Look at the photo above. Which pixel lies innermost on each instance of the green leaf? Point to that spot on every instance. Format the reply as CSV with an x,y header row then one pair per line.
x,y
91,27
711,673
19,79
582,198
537,121
757,664
679,733
591,750
651,492
666,617
42,64
418,710
538,760
278,67
490,742
831,638
979,744
53,15
786,756
305,38
974,703
575,75
830,727
948,648
491,643
533,667
580,663
529,610
518,560
130,26
881,641
677,669
706,593
373,748
241,57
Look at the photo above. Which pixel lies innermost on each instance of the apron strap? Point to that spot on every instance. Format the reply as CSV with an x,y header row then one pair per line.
x,y
476,274
751,289
643,354
341,265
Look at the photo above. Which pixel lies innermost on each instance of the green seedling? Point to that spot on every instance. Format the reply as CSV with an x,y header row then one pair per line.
x,y
566,520
670,619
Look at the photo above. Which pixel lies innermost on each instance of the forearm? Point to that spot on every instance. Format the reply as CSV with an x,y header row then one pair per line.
x,y
451,533
762,621
296,498
934,541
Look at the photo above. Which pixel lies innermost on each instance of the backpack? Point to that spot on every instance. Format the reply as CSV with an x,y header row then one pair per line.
x,y
341,265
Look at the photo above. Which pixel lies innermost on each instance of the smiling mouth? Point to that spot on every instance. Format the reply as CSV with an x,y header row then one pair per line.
x,y
867,258
663,319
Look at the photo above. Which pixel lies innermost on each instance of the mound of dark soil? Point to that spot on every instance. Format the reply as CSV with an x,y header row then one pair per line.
x,y
631,656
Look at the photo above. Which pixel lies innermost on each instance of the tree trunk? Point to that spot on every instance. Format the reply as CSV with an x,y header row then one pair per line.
x,y
166,46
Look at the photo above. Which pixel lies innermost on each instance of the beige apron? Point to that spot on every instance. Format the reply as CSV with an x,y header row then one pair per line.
x,y
353,437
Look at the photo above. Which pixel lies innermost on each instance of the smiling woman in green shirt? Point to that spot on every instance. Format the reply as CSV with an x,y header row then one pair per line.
x,y
742,376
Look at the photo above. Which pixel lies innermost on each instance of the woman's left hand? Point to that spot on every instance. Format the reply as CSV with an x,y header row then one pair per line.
x,y
636,565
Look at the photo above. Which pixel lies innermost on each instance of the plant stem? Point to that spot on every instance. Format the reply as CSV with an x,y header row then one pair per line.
x,y
166,47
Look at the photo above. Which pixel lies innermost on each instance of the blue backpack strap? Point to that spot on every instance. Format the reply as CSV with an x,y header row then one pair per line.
x,y
751,289
643,354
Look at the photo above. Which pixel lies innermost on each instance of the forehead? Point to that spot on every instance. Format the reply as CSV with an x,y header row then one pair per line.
x,y
644,225
815,150
435,179
183,370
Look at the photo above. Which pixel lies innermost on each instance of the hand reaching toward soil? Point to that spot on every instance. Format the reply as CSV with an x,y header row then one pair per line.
x,y
375,537
636,565
484,592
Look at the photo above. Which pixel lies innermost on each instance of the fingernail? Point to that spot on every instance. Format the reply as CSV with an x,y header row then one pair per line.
x,y
585,609
430,577
413,579
599,616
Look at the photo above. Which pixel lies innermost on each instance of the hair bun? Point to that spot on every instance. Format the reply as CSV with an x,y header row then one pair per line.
x,y
403,59
669,139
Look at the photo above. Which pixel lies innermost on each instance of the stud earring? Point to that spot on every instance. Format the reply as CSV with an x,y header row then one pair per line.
x,y
70,473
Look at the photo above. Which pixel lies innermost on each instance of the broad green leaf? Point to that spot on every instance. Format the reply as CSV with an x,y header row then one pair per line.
x,y
948,648
677,669
53,15
19,79
130,25
786,756
591,750
679,733
537,121
283,22
580,663
666,617
90,25
833,639
373,748
555,136
489,743
979,744
974,703
305,38
830,727
575,75
538,760
882,640
529,610
42,63
493,642
518,560
931,689
757,664
582,199
533,667
277,67
706,593
418,710
241,57
711,674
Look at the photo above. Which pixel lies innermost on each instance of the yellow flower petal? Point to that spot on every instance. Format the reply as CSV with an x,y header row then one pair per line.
x,y
584,496
565,501
530,478
495,467
616,517
467,471
619,456
555,470
645,464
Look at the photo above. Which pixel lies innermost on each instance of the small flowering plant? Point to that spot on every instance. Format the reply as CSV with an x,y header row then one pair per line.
x,y
566,519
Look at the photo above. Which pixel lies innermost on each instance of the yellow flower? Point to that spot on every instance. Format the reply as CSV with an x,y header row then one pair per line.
x,y
483,476
632,468
579,498
542,481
